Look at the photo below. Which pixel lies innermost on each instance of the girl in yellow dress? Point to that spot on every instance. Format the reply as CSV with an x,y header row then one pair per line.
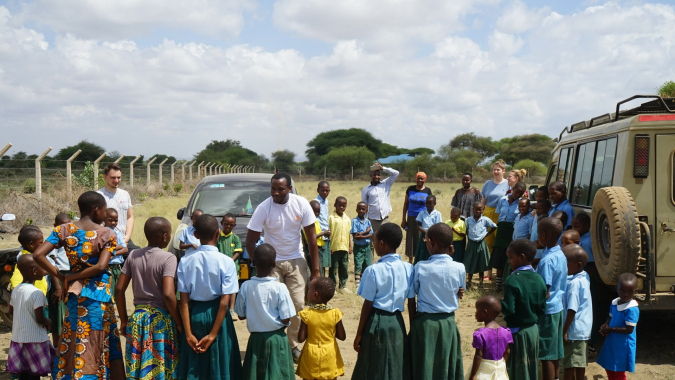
x,y
321,324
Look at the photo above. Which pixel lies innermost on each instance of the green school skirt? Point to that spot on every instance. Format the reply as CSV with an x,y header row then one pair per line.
x,y
268,357
384,348
550,336
460,249
476,256
502,241
222,361
436,347
522,363
422,253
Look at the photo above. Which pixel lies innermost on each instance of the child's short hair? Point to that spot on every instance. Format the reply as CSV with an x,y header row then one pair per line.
x,y
340,198
543,189
61,218
559,186
325,287
432,197
525,200
110,167
321,183
265,256
284,176
576,254
469,174
155,227
551,226
455,211
441,234
627,278
572,235
314,203
523,247
88,201
29,234
520,186
230,215
362,203
491,304
561,216
582,218
391,234
480,204
25,263
111,211
545,203
206,226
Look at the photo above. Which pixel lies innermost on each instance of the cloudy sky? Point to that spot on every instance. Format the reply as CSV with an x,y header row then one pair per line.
x,y
168,76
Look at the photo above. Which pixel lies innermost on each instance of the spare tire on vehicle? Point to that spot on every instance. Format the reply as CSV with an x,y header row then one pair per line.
x,y
615,233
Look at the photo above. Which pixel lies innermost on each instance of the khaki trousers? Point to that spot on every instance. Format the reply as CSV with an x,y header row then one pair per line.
x,y
293,274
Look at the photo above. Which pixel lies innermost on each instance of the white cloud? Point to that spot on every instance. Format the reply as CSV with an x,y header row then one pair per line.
x,y
518,18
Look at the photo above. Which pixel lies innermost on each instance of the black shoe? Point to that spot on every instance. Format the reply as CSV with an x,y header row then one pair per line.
x,y
296,354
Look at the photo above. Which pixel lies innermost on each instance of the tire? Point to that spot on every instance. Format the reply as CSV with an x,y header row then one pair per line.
x,y
615,233
5,295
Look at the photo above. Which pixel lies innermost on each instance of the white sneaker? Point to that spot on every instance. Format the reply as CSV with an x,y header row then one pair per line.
x,y
345,290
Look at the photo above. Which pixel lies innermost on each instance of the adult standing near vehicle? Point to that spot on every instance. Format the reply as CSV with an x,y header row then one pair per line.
x,y
376,195
282,216
414,203
120,200
515,176
492,191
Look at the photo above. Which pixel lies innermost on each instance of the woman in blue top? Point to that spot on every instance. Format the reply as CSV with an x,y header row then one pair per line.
x,y
493,190
415,202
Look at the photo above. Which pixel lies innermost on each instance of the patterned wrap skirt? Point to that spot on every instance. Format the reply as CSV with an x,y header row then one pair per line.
x,y
152,345
33,358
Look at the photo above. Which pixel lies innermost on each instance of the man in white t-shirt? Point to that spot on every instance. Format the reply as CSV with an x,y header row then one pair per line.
x,y
282,216
119,200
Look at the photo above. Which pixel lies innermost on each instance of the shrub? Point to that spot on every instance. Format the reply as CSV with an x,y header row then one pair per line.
x,y
177,187
29,186
533,168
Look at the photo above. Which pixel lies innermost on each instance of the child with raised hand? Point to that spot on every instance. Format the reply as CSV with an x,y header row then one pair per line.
x,y
206,279
425,219
152,332
458,226
30,352
320,242
618,352
362,232
569,237
477,252
553,269
578,314
507,208
491,343
524,302
439,285
341,245
229,244
321,324
381,340
187,239
116,261
267,307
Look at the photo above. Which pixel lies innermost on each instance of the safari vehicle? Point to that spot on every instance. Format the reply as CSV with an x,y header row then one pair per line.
x,y
620,168
218,195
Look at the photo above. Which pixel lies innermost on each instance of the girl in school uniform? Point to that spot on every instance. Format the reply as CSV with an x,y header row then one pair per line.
x,y
381,340
492,343
477,254
206,278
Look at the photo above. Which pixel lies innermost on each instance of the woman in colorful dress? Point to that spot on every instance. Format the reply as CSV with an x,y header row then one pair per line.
x,y
90,344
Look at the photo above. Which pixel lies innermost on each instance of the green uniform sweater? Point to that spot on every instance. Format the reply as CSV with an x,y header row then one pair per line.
x,y
524,299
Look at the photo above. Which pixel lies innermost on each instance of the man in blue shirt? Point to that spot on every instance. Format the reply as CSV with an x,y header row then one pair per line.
x,y
557,194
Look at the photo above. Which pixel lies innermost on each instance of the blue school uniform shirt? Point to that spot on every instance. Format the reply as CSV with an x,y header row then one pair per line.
x,y
534,236
522,227
387,283
578,298
436,282
553,269
118,259
359,225
493,192
507,212
429,219
585,243
187,236
618,351
323,214
476,230
60,258
264,302
207,274
567,208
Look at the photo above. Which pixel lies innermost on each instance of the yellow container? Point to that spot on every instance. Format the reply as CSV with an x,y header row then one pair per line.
x,y
243,271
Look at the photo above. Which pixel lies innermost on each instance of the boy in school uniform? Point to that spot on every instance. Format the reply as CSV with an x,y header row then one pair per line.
x,y
320,242
425,219
267,307
187,239
524,302
522,227
381,340
341,245
206,279
439,285
116,261
361,232
582,224
553,269
229,244
578,314
458,226
323,190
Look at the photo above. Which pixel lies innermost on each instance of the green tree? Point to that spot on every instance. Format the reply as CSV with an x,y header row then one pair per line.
x,y
161,157
322,143
667,90
469,141
464,160
90,151
230,152
532,167
344,158
421,151
535,147
284,161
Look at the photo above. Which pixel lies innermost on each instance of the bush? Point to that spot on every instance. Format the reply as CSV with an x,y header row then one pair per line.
x,y
86,179
29,186
166,187
177,187
533,168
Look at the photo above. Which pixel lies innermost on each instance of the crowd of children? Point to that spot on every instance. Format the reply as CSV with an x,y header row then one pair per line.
x,y
182,325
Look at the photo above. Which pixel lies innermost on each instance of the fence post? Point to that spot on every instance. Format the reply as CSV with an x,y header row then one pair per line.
x,y
160,171
199,170
69,173
117,161
131,170
5,149
148,167
352,174
183,171
190,166
96,169
172,171
38,173
324,173
253,171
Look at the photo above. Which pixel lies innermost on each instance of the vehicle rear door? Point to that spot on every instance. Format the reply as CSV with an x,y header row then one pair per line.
x,y
665,205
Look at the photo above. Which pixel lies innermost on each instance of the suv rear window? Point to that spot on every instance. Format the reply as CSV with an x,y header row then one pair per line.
x,y
564,165
594,169
219,199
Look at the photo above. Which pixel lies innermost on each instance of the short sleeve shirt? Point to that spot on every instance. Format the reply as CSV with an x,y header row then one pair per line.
x,y
282,224
478,229
25,329
493,342
207,274
187,236
417,200
522,226
436,282
118,259
459,225
493,192
428,219
147,268
340,227
567,208
387,283
585,243
578,298
264,302
121,202
553,269
507,211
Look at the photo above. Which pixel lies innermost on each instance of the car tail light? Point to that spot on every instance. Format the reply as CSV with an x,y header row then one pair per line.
x,y
641,164
8,268
656,118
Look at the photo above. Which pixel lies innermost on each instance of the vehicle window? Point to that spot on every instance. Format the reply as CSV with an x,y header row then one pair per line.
x,y
219,199
603,173
564,165
551,174
582,173
594,169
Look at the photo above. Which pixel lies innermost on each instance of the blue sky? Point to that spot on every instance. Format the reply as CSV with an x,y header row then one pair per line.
x,y
272,74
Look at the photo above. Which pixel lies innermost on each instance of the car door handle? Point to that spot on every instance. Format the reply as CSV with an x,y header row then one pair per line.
x,y
665,228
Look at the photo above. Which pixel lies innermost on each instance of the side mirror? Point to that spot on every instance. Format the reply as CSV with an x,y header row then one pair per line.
x,y
7,217
532,191
180,213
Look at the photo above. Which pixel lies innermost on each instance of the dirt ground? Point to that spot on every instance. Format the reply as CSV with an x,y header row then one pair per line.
x,y
656,340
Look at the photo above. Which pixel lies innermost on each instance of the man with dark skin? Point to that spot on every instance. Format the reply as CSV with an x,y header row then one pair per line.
x,y
281,217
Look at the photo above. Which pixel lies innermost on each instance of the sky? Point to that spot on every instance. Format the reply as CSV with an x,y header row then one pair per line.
x,y
168,76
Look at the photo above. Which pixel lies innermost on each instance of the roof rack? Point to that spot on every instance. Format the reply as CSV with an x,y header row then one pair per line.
x,y
658,105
